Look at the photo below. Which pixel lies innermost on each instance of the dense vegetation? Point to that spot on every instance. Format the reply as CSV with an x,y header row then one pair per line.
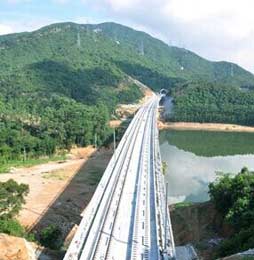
x,y
211,102
55,93
50,237
60,84
60,122
234,199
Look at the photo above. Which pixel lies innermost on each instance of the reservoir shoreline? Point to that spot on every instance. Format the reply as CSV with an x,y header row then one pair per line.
x,y
218,127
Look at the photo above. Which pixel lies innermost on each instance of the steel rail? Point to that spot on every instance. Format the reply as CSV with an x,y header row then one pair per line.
x,y
120,197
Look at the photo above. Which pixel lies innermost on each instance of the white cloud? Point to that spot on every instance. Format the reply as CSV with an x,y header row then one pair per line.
x,y
5,29
126,4
234,16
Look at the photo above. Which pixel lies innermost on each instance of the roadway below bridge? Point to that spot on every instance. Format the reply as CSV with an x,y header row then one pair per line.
x,y
127,218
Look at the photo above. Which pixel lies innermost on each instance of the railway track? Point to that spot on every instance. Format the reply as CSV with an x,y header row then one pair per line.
x,y
103,247
125,218
75,249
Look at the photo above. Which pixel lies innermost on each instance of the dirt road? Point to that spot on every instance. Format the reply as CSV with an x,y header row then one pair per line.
x,y
60,191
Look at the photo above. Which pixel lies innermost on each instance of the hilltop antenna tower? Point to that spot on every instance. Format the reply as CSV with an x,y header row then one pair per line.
x,y
115,36
232,70
87,27
78,40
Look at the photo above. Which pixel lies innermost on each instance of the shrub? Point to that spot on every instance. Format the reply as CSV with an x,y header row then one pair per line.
x,y
11,227
233,198
51,237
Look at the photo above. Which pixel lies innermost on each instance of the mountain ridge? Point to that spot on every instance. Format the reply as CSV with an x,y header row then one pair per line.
x,y
171,62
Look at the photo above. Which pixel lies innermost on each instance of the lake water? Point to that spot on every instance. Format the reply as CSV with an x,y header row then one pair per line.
x,y
194,158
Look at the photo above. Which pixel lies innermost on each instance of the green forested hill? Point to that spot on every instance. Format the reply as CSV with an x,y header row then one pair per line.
x,y
116,49
57,88
59,84
202,101
171,63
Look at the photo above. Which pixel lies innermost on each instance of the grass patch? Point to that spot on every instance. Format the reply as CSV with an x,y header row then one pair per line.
x,y
183,204
6,167
55,175
14,228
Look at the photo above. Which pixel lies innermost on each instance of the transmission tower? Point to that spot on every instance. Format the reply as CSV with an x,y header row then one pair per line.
x,y
141,48
232,70
78,40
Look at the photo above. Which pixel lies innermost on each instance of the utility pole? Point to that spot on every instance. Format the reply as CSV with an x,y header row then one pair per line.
x,y
24,153
95,140
23,135
114,138
166,219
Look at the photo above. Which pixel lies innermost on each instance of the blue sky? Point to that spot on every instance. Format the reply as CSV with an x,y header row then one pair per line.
x,y
214,29
27,15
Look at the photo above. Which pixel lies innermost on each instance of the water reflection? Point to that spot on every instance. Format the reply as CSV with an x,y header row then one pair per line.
x,y
188,174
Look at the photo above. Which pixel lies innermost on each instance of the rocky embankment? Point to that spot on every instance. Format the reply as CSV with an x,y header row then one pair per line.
x,y
24,250
199,225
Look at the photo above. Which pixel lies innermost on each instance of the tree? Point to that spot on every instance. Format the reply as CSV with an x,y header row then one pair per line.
x,y
50,237
234,199
11,198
